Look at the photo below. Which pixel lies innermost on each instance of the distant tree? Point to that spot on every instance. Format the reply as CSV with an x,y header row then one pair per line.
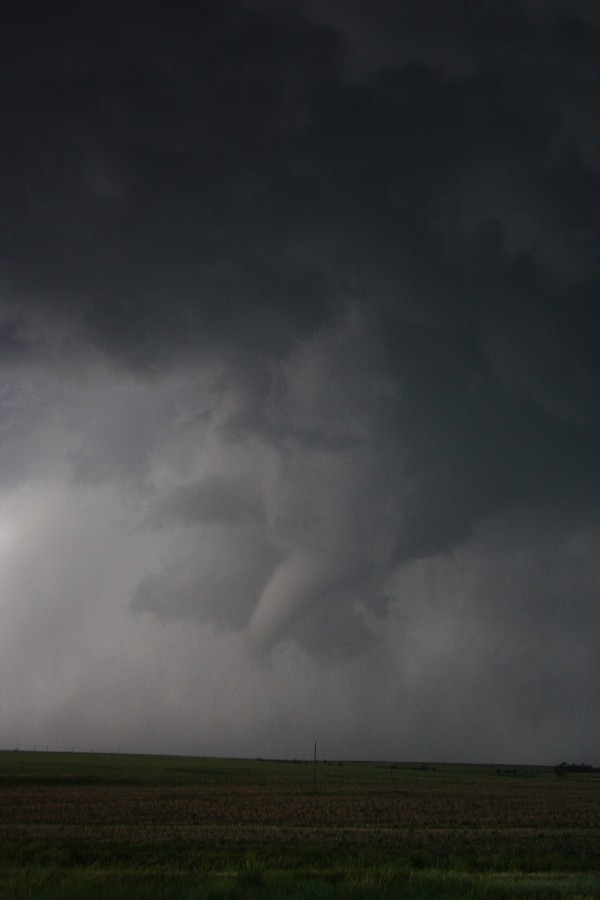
x,y
563,768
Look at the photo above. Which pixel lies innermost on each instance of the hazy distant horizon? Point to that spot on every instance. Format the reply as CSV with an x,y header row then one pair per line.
x,y
421,764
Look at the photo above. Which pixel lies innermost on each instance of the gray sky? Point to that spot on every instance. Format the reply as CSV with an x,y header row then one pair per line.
x,y
300,379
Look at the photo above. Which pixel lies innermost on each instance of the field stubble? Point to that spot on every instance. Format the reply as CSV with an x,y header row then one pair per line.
x,y
472,818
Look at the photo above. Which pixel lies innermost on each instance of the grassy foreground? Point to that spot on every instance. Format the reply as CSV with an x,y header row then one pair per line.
x,y
121,826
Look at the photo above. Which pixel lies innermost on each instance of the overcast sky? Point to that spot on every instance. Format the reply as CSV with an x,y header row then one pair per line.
x,y
300,379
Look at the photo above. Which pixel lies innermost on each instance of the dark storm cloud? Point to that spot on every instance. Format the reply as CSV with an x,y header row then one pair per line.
x,y
214,499
145,186
299,330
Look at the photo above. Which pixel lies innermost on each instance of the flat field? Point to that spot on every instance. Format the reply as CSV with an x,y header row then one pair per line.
x,y
108,825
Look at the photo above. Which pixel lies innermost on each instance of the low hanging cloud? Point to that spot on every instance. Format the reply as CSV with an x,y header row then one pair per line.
x,y
301,527
300,385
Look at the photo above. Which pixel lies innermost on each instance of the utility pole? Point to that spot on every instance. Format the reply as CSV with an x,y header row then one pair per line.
x,y
315,769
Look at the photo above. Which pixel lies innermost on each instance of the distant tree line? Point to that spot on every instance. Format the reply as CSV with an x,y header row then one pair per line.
x,y
564,768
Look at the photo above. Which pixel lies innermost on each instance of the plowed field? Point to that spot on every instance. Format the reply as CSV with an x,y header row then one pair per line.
x,y
465,816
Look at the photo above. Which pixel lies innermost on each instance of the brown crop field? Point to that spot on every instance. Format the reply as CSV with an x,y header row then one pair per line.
x,y
463,816
470,819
